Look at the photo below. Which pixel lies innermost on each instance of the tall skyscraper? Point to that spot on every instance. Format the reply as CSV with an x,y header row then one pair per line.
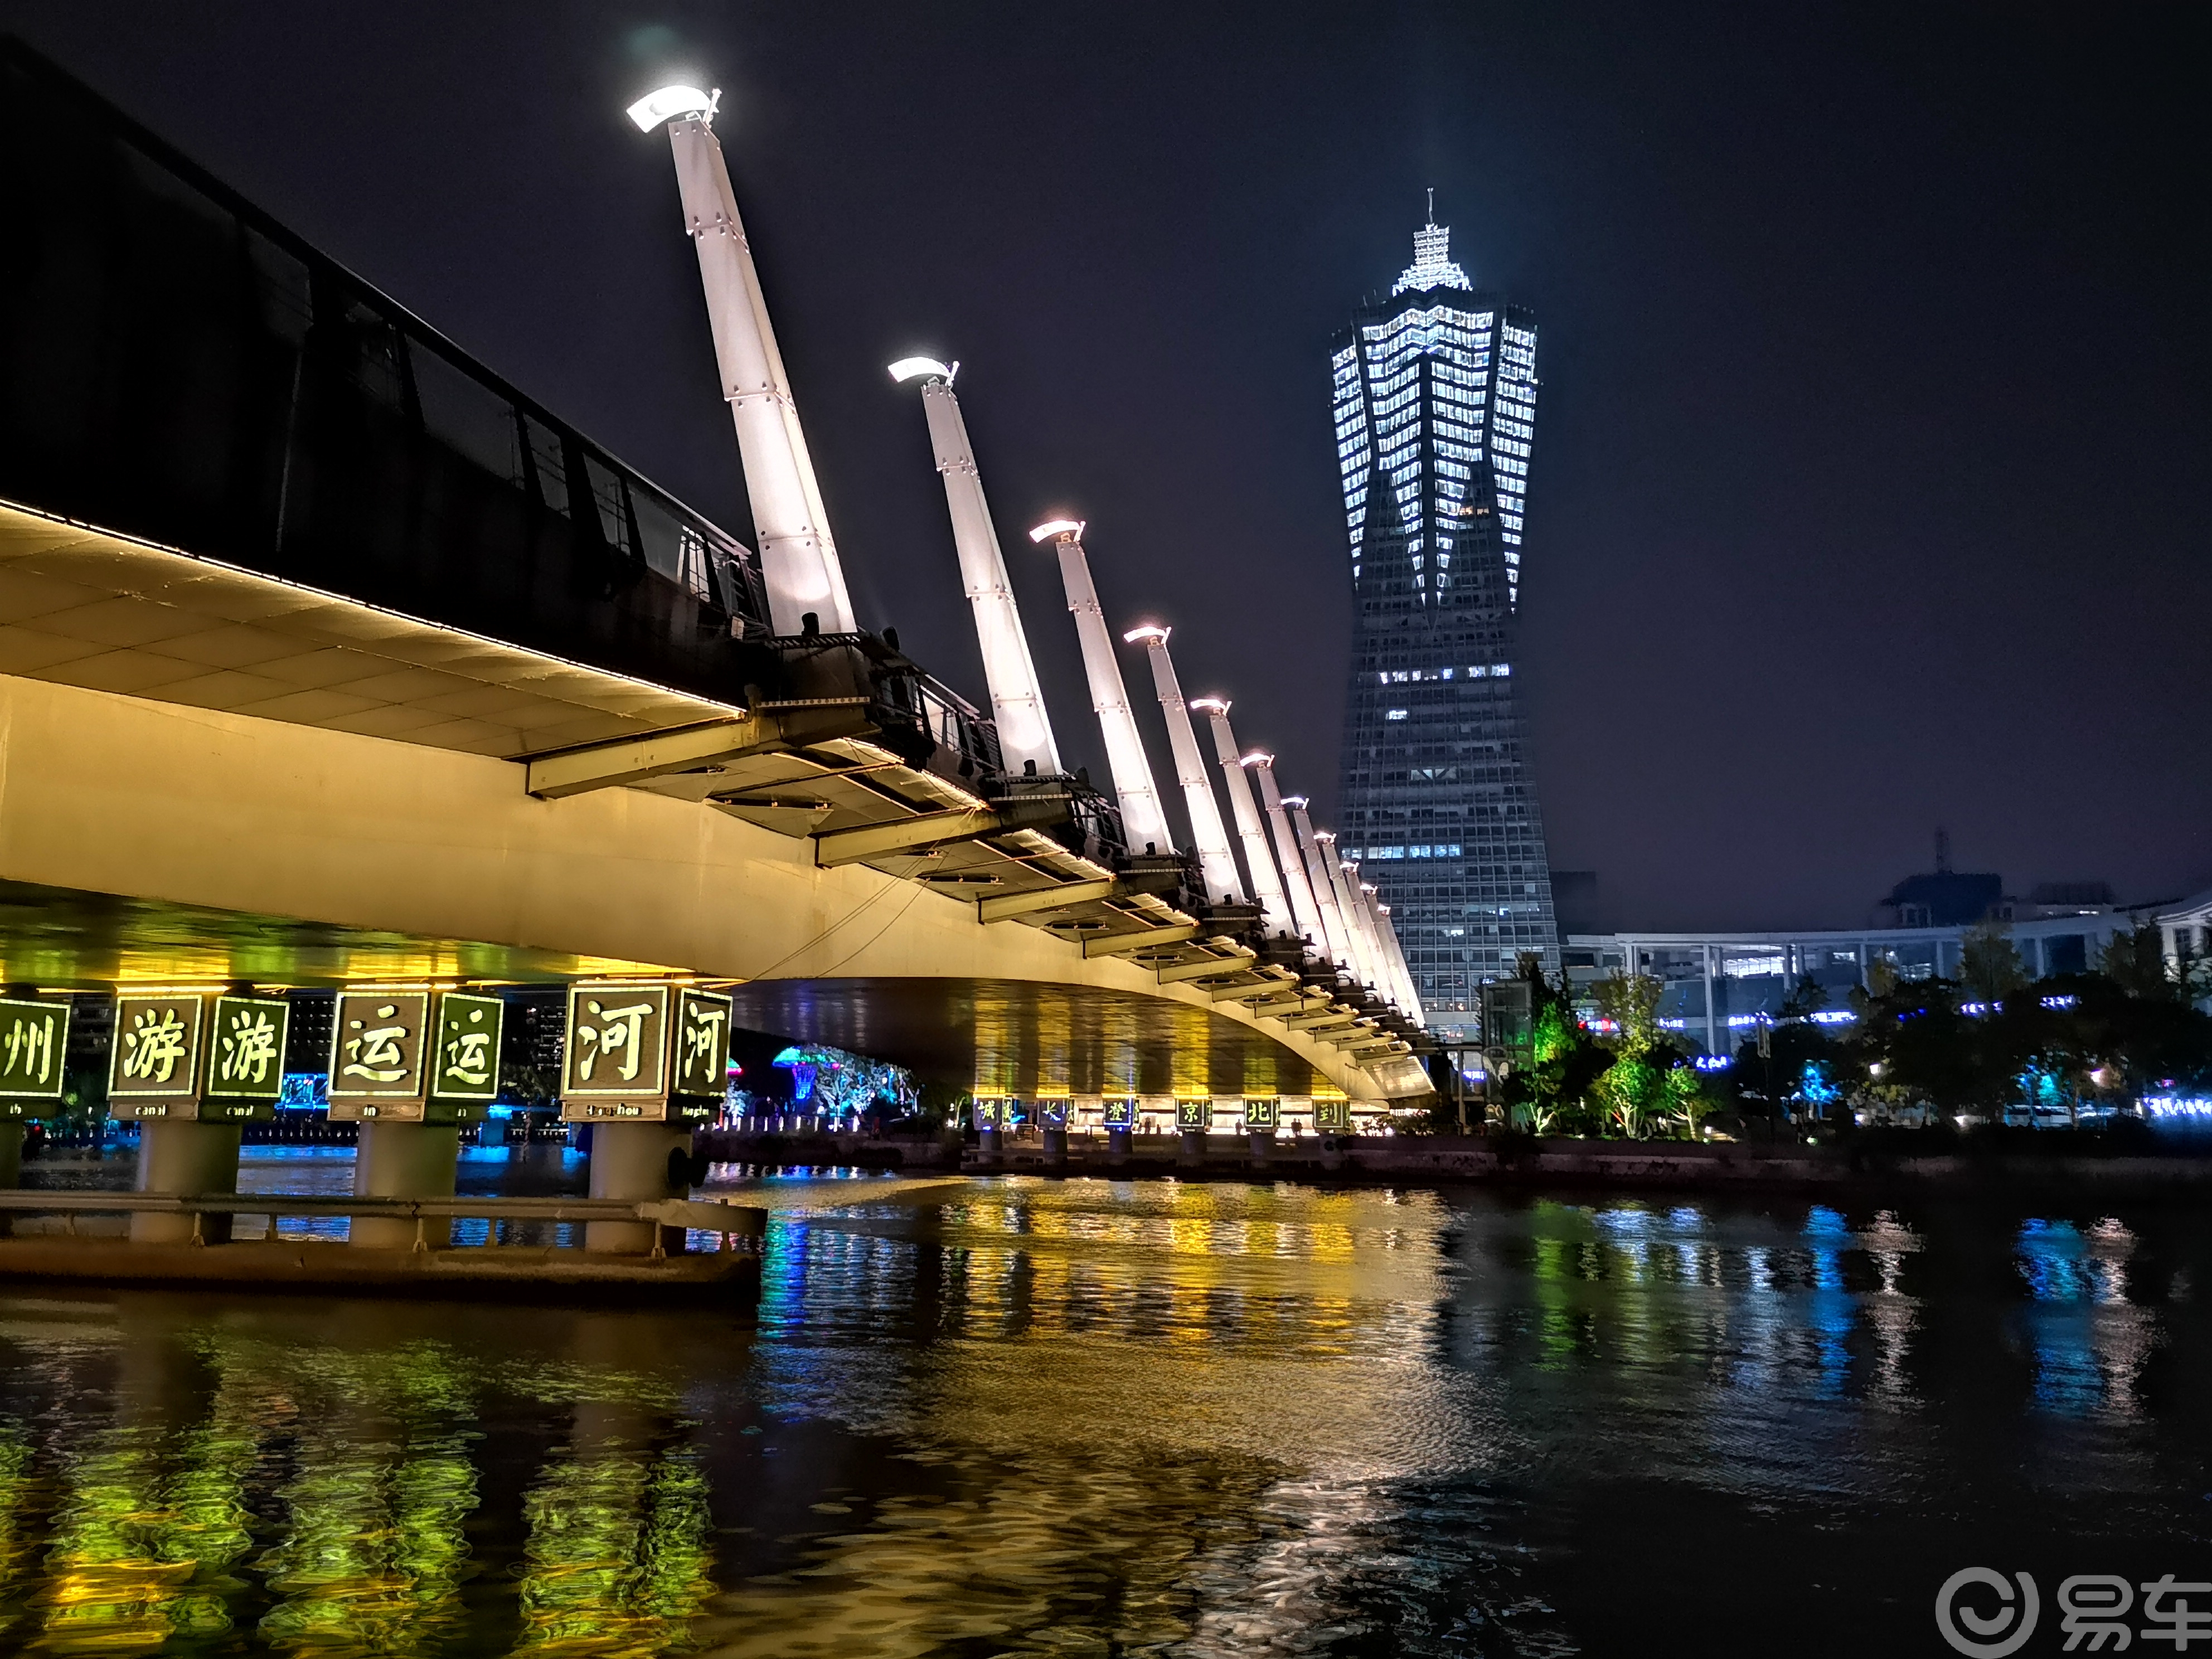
x,y
1436,413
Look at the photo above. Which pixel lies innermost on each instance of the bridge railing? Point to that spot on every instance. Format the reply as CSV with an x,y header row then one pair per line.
x,y
739,1226
176,365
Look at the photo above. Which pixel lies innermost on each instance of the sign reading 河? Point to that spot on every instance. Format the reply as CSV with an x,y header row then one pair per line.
x,y
33,1042
702,1044
652,1051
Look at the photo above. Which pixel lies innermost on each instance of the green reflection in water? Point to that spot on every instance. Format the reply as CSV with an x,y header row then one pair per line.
x,y
373,1560
151,1524
617,1561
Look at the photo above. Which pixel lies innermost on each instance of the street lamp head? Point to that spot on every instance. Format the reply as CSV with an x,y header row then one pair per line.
x,y
1149,632
1053,529
672,103
915,368
1210,705
1257,757
1297,801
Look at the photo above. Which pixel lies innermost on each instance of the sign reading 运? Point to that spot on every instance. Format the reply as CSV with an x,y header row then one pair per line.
x,y
464,1056
377,1048
33,1042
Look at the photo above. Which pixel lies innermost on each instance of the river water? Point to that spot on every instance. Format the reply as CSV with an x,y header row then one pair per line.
x,y
1015,1416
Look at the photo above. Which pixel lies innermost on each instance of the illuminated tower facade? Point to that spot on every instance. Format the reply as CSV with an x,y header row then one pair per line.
x,y
1436,414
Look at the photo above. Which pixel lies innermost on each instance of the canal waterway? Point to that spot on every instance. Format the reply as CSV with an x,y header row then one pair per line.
x,y
1020,1416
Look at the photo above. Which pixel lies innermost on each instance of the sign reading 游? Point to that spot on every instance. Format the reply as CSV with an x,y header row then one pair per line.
x,y
33,1041
246,1055
153,1067
377,1054
464,1057
1262,1114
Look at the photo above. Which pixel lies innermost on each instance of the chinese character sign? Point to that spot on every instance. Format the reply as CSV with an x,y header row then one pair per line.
x,y
246,1047
156,1053
1332,1114
464,1058
1120,1113
618,1041
702,1044
33,1038
1262,1114
1193,1114
376,1045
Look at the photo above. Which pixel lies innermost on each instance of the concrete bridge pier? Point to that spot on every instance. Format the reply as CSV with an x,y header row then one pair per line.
x,y
1055,1149
988,1143
11,1164
1263,1145
1192,1152
1117,1146
403,1160
643,1163
194,1160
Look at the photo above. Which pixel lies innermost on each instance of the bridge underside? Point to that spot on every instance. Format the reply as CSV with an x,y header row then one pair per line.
x,y
1023,1038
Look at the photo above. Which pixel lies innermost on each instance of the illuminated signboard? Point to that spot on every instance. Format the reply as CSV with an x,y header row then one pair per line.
x,y
1193,1114
156,1052
246,1055
33,1044
1262,1114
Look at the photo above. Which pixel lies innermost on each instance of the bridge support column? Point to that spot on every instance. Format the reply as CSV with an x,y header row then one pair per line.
x,y
403,1160
1055,1149
1192,1153
1117,1147
193,1159
11,1164
641,1161
988,1143
1263,1145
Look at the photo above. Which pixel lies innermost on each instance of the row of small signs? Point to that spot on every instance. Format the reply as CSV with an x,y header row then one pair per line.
x,y
637,1050
995,1112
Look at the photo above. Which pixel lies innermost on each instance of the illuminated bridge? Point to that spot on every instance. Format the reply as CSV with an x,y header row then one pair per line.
x,y
330,659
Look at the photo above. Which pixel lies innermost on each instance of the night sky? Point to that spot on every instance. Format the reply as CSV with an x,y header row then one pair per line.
x,y
1869,491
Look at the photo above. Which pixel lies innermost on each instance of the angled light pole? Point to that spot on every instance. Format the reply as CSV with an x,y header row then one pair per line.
x,y
1016,700
1143,823
1214,857
1317,862
1297,884
1259,862
798,560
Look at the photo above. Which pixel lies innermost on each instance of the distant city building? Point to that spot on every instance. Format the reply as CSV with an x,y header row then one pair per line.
x,y
1436,407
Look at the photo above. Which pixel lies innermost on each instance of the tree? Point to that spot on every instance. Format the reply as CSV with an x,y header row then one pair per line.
x,y
1552,1089
1988,967
2135,962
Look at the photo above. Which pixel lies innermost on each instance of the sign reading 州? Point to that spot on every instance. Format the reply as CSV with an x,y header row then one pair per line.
x,y
34,1042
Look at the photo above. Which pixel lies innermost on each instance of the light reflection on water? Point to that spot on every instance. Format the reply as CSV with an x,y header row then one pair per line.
x,y
1017,1416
